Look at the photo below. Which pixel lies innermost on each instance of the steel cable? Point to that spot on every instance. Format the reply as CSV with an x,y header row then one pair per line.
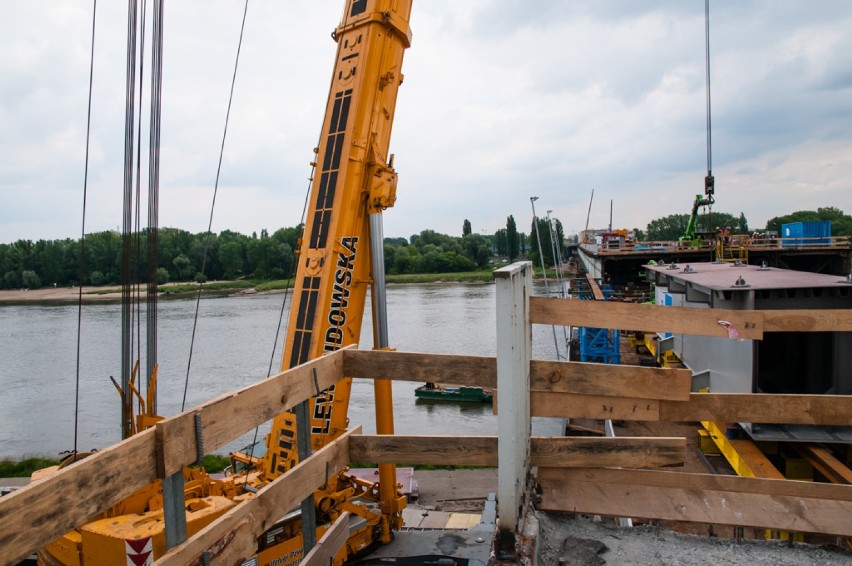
x,y
83,230
212,208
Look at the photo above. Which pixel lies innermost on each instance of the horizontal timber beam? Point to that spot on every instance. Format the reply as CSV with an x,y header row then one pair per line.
x,y
761,408
233,536
808,320
610,380
649,318
703,498
719,407
555,376
477,371
626,452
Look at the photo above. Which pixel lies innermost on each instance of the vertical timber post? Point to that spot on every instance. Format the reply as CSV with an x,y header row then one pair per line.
x,y
514,350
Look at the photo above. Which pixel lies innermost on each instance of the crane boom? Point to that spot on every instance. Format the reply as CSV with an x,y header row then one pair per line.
x,y
353,182
353,177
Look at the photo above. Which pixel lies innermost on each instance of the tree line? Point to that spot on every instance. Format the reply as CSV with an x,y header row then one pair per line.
x,y
183,256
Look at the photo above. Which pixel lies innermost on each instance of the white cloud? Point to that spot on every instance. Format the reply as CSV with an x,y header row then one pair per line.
x,y
500,102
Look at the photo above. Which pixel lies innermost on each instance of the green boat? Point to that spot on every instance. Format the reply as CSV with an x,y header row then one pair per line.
x,y
435,392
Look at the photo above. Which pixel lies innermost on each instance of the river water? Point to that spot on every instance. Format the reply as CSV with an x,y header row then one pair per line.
x,y
233,347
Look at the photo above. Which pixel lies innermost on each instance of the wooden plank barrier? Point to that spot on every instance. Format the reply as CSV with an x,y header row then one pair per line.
x,y
627,452
545,376
703,498
649,318
835,410
39,513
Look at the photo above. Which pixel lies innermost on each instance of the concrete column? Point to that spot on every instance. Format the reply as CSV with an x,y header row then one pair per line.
x,y
514,349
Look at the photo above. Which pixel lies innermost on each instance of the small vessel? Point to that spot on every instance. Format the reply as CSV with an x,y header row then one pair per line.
x,y
436,392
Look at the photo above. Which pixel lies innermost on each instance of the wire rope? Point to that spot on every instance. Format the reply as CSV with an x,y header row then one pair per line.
x,y
127,224
707,61
83,230
135,299
212,208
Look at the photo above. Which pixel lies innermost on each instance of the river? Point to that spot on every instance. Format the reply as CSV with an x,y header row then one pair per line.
x,y
233,347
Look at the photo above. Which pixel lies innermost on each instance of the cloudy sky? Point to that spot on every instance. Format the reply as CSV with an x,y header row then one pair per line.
x,y
502,100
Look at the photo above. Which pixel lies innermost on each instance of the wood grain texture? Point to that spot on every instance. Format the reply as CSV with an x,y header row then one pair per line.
x,y
610,380
696,498
232,414
623,452
649,318
628,452
478,371
810,320
41,512
594,407
761,408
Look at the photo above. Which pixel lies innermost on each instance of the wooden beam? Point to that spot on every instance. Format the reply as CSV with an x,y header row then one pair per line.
x,y
330,543
231,414
481,371
709,482
718,407
232,537
477,371
704,498
649,318
824,461
627,452
418,450
596,290
610,380
623,451
761,408
808,320
41,512
594,407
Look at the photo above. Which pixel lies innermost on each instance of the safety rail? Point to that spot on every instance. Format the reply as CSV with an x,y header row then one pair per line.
x,y
824,243
574,472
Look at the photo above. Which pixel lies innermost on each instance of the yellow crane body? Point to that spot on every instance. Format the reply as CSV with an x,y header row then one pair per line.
x,y
353,179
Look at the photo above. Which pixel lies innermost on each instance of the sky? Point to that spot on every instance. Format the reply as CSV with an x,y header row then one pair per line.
x,y
502,101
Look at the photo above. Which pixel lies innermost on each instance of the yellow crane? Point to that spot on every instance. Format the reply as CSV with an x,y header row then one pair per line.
x,y
340,258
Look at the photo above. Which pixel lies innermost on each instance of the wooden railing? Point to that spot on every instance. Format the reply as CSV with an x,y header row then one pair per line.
x,y
575,473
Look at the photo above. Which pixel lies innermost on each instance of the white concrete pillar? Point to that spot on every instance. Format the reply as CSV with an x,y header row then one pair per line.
x,y
514,349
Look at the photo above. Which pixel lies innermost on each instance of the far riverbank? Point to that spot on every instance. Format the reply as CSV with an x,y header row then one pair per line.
x,y
111,293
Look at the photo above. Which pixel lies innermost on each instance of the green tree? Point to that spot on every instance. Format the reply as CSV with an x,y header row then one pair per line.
x,y
183,267
501,244
231,259
30,280
477,248
673,226
162,276
466,229
513,241
543,234
841,224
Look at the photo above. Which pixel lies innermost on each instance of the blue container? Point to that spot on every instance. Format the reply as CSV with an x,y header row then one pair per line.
x,y
806,234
